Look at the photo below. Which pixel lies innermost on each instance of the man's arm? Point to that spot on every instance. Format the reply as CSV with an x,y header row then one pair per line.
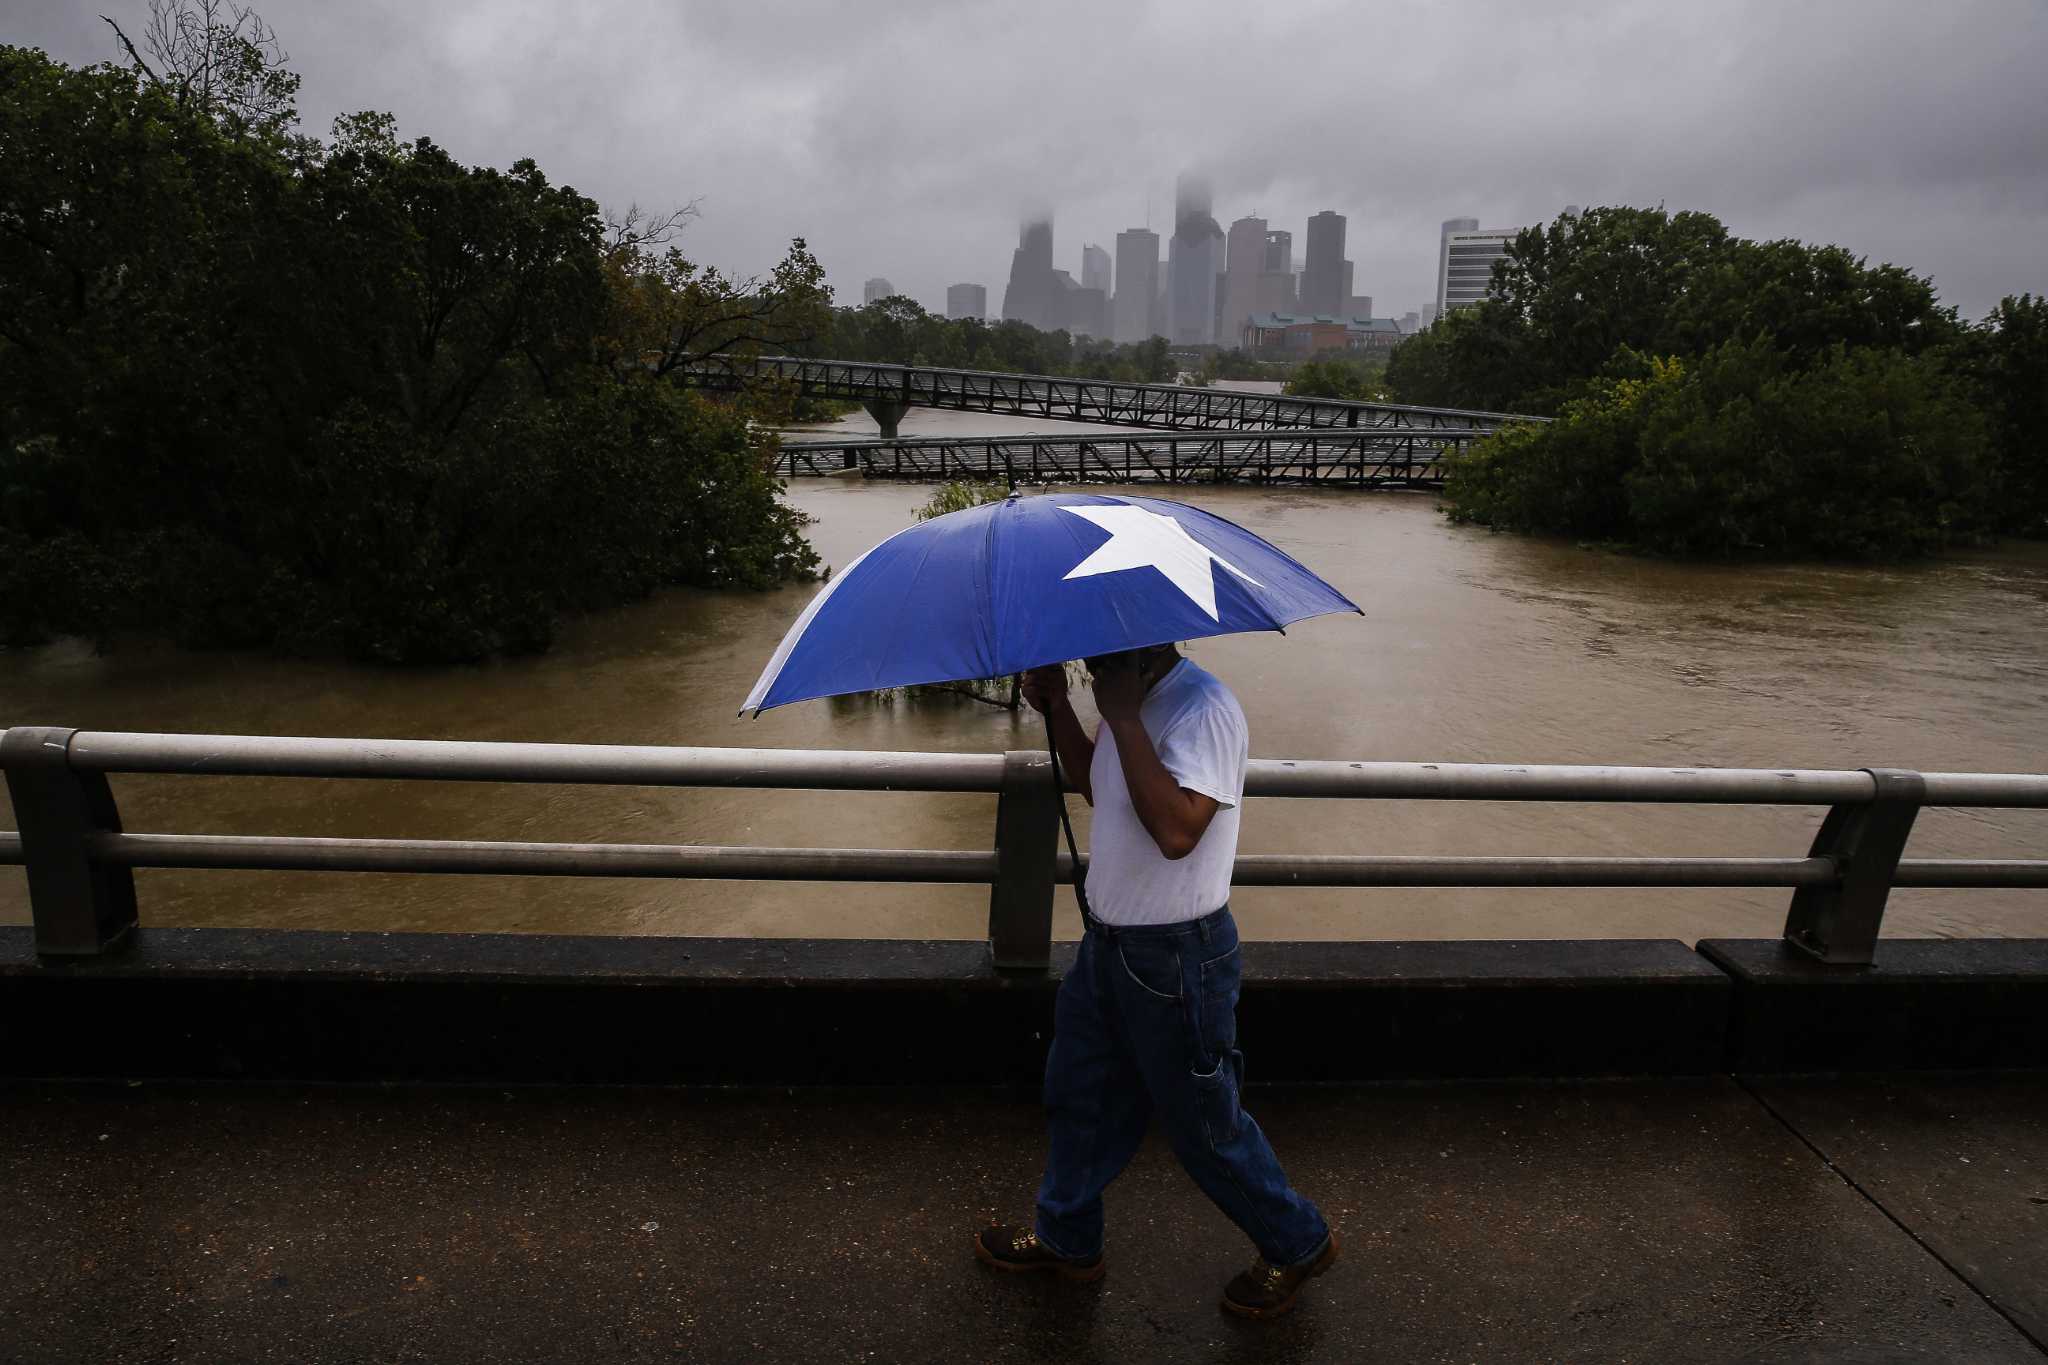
x,y
1046,691
1175,817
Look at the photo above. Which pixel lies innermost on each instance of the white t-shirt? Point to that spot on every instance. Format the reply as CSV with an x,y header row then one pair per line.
x,y
1199,731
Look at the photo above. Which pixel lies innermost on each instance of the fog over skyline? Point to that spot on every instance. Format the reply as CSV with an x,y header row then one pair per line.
x,y
905,139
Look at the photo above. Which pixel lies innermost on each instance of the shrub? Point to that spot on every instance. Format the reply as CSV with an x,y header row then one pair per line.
x,y
1872,453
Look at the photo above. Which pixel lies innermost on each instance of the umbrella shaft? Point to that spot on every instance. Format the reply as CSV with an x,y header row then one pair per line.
x,y
1060,793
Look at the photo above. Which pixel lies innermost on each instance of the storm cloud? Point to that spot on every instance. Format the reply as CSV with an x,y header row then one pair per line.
x,y
903,139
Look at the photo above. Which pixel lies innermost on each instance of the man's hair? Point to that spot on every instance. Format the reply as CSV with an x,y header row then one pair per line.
x,y
1136,656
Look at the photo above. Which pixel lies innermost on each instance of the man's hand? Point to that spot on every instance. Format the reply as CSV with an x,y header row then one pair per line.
x,y
1119,691
1044,688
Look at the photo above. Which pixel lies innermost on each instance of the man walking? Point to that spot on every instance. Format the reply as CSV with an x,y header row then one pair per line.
x,y
1146,1022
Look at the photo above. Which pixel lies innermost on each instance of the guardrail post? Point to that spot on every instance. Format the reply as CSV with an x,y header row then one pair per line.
x,y
81,908
1839,922
1027,842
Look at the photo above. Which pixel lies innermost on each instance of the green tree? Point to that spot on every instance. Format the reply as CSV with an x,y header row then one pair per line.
x,y
1568,297
1340,375
1419,369
220,58
897,331
1154,361
2006,360
255,389
1805,403
666,312
1870,454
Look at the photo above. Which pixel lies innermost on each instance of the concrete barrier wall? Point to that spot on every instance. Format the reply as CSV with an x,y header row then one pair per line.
x,y
543,1008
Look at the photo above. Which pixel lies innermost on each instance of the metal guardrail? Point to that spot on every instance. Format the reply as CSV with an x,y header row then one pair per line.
x,y
82,893
1075,400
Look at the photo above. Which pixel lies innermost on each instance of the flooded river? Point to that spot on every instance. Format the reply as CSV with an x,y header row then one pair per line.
x,y
1474,647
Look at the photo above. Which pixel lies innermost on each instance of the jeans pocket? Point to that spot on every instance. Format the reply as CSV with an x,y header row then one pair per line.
x,y
1218,981
1154,967
1216,1097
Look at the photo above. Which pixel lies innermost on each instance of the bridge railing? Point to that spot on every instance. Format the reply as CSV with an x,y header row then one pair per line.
x,y
1378,455
1076,399
82,895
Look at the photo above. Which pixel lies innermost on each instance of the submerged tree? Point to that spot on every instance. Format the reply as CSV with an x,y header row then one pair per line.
x,y
1717,396
259,389
667,312
1869,454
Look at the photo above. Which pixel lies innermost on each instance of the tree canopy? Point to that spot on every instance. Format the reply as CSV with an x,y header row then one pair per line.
x,y
261,389
1340,375
1720,396
898,331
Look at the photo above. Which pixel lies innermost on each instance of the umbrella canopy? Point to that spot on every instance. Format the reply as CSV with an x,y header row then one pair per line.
x,y
1011,585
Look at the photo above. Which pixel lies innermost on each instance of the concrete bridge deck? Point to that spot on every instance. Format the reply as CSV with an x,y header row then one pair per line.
x,y
1893,1218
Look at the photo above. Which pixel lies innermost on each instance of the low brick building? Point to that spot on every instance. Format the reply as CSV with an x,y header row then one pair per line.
x,y
1298,334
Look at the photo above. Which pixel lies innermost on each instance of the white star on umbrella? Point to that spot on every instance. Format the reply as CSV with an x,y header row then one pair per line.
x,y
1140,539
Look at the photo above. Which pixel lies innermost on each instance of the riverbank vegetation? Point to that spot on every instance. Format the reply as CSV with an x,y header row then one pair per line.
x,y
1721,397
1338,374
898,331
1236,363
351,395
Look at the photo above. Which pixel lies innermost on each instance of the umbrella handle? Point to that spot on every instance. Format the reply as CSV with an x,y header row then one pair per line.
x,y
1060,794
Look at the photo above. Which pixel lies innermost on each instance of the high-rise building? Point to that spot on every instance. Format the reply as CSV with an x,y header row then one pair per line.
x,y
1450,226
1411,322
1071,308
1137,285
1276,292
1031,296
966,301
1358,306
1279,253
1276,275
876,288
1467,265
1244,260
1192,261
1322,275
1086,312
1095,269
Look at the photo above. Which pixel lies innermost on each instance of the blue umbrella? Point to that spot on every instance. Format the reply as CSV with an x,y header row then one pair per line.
x,y
1011,585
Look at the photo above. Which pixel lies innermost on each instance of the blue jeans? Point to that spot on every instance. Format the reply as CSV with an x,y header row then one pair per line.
x,y
1146,1023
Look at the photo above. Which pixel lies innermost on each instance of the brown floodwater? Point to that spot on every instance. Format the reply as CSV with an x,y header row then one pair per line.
x,y
1474,648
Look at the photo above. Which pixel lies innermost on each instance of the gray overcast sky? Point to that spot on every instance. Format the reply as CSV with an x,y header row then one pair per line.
x,y
902,137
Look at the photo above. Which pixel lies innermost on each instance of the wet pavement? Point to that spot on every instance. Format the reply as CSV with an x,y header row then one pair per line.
x,y
1893,1218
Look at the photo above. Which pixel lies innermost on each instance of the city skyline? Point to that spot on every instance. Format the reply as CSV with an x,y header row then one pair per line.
x,y
1255,275
894,141
1216,281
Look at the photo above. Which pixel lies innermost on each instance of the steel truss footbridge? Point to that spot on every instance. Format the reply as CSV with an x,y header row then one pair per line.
x,y
1199,434
1369,458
